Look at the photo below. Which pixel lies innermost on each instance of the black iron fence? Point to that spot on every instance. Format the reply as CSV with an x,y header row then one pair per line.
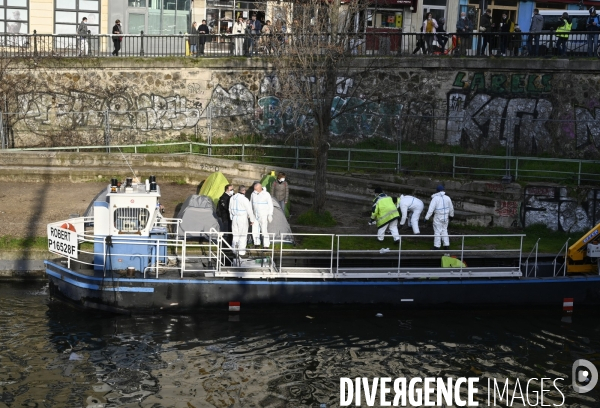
x,y
387,43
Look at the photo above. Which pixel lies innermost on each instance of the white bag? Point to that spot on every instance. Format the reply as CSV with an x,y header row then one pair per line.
x,y
482,29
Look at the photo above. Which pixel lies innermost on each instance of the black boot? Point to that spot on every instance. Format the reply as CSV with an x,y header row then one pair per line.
x,y
436,248
447,248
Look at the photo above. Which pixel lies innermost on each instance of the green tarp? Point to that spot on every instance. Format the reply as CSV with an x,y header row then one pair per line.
x,y
214,186
450,262
267,182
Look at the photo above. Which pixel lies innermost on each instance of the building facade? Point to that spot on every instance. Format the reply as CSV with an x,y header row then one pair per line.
x,y
163,17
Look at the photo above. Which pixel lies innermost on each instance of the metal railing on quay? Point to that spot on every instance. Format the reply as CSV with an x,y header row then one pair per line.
x,y
408,162
380,43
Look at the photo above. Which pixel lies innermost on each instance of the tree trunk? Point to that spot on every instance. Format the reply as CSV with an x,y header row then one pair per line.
x,y
320,185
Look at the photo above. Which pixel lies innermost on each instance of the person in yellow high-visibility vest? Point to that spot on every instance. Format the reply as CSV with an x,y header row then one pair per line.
x,y
385,215
562,33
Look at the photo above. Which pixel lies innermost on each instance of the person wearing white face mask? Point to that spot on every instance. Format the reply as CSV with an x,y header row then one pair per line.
x,y
240,211
463,28
443,211
280,191
409,204
262,205
223,211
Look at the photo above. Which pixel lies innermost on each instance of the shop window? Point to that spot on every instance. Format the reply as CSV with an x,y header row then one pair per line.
x,y
168,16
385,18
14,17
221,14
69,13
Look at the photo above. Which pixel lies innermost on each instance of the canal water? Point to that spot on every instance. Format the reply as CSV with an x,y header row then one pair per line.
x,y
55,356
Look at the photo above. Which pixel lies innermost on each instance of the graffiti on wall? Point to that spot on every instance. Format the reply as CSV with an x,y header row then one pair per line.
x,y
552,207
144,112
493,109
497,109
587,127
273,115
238,100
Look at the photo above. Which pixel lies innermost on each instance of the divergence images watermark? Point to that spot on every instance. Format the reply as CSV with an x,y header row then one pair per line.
x,y
439,392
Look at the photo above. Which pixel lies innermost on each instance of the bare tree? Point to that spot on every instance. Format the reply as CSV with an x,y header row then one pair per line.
x,y
315,42
16,78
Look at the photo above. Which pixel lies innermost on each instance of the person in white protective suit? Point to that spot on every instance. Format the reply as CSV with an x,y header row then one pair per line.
x,y
262,204
240,211
414,206
443,211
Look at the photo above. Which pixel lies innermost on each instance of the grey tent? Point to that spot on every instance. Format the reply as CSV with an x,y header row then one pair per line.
x,y
280,225
198,214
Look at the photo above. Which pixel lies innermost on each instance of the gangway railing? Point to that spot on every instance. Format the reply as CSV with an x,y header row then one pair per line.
x,y
313,272
213,256
563,267
247,266
211,245
410,272
534,266
271,262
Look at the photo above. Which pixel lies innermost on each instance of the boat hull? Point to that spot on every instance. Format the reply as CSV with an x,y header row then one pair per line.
x,y
131,295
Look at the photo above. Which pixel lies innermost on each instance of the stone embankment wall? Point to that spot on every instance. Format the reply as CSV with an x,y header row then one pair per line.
x,y
539,106
477,202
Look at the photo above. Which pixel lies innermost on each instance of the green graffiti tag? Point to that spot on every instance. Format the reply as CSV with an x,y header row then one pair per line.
x,y
481,82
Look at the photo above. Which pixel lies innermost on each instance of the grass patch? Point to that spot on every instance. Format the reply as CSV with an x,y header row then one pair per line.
x,y
311,218
550,241
9,243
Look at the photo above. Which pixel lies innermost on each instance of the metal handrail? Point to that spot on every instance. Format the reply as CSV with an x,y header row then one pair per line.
x,y
245,157
534,269
401,251
564,264
368,44
217,245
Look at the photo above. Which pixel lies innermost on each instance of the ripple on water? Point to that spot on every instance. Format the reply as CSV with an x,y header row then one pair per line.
x,y
278,359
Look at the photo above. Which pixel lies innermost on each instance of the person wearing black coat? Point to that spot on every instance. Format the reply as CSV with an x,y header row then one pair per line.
x,y
485,26
223,212
442,37
193,38
203,32
117,37
420,44
505,25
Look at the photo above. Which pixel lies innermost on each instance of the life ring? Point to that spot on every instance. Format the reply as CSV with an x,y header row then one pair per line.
x,y
68,226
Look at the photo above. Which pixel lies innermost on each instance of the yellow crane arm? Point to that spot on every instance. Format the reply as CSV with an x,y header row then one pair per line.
x,y
578,251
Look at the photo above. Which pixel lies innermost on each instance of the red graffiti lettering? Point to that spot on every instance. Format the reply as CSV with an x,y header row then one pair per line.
x,y
541,191
507,208
494,187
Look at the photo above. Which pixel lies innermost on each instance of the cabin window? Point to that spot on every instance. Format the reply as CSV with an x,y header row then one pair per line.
x,y
130,220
